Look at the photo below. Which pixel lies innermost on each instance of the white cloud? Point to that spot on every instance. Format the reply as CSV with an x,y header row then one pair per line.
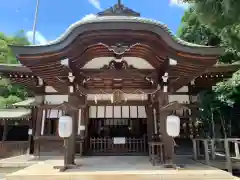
x,y
89,16
179,3
40,39
96,4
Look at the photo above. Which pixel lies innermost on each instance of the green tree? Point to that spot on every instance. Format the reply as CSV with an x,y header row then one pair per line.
x,y
10,93
211,22
222,17
215,115
6,55
228,91
194,31
218,105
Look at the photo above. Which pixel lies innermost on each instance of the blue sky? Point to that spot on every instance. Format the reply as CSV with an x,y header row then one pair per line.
x,y
55,16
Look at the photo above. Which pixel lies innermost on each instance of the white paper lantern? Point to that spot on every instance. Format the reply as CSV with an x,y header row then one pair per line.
x,y
30,131
173,125
65,126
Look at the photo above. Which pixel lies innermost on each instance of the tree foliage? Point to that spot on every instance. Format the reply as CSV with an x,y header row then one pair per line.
x,y
6,55
216,23
222,17
10,93
228,91
194,31
215,115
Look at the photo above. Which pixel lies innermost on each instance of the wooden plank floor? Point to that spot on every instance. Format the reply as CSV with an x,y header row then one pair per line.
x,y
120,168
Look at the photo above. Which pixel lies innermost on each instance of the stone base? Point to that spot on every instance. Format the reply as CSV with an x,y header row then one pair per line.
x,y
117,168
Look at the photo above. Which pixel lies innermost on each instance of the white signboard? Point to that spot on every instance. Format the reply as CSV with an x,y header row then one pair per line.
x,y
119,140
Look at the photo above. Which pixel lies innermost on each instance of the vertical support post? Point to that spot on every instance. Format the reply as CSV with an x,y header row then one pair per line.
x,y
38,130
228,158
5,129
71,141
30,133
167,140
39,100
31,130
150,119
74,101
213,152
198,148
195,155
83,122
205,142
86,140
236,147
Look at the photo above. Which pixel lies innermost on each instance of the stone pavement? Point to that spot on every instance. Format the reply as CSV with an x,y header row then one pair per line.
x,y
27,167
13,164
24,160
119,168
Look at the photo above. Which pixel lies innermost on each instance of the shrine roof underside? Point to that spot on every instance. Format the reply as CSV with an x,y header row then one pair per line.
x,y
128,42
22,75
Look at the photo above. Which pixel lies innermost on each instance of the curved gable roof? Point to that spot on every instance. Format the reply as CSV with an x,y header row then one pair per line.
x,y
102,23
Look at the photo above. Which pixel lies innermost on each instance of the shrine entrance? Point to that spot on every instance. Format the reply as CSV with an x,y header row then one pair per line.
x,y
125,133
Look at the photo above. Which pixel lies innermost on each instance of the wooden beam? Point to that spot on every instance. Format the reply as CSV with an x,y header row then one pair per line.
x,y
125,90
172,106
95,91
63,106
127,103
106,73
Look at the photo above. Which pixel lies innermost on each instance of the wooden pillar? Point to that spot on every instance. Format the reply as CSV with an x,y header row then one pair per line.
x,y
83,122
70,143
73,101
5,129
84,116
32,129
39,100
150,119
228,156
167,140
30,132
86,137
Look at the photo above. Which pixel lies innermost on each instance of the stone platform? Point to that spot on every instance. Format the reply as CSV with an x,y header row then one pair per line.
x,y
119,168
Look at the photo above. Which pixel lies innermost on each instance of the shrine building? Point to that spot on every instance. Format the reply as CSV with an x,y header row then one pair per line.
x,y
119,76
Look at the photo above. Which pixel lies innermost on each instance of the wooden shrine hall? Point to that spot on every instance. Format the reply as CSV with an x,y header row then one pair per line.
x,y
116,74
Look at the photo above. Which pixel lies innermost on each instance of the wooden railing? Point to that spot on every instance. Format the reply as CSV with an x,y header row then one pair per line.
x,y
13,148
106,146
209,150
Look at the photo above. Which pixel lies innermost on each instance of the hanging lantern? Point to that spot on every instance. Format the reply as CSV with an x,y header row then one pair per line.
x,y
173,125
65,126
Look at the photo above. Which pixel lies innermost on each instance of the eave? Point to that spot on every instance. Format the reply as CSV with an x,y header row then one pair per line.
x,y
112,23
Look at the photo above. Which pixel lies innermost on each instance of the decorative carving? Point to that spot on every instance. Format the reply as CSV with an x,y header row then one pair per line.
x,y
119,48
118,96
121,65
119,10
